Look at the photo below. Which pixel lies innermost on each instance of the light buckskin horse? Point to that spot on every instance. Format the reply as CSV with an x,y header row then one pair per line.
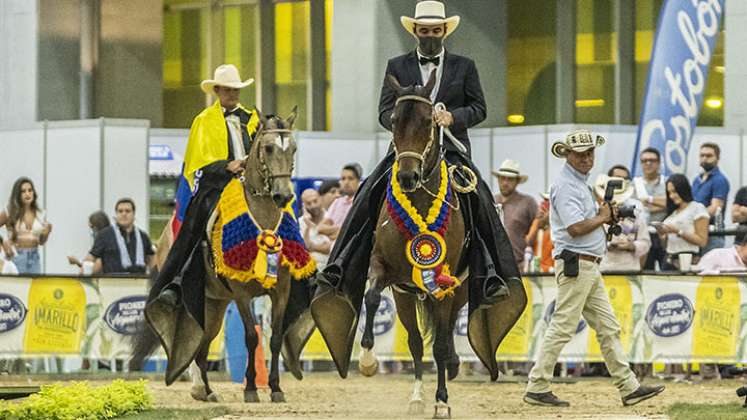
x,y
419,174
267,190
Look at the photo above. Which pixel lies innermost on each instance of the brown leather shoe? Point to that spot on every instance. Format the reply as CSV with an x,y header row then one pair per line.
x,y
547,399
643,393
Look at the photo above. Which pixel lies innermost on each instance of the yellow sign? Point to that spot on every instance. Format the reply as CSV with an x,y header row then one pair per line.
x,y
621,299
716,324
516,343
216,349
57,316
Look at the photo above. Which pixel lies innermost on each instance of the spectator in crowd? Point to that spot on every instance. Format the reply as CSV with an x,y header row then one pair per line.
x,y
350,180
97,221
27,227
711,189
122,248
624,251
685,229
319,245
519,210
739,208
730,259
539,236
329,191
651,190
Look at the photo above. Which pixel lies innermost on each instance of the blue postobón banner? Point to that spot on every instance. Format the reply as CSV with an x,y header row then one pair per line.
x,y
685,39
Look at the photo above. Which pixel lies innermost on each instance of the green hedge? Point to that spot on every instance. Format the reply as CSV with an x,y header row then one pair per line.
x,y
78,400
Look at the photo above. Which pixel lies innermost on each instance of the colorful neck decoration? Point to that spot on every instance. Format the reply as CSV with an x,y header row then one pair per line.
x,y
243,251
426,248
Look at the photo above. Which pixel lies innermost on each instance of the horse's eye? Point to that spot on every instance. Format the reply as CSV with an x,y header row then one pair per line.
x,y
268,149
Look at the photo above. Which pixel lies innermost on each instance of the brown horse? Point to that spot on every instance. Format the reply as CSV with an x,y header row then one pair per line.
x,y
267,190
418,162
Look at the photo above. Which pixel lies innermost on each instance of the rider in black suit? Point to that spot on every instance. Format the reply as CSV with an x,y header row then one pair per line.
x,y
493,271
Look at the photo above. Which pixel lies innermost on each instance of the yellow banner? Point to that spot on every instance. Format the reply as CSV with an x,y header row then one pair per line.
x,y
621,299
516,343
57,316
716,324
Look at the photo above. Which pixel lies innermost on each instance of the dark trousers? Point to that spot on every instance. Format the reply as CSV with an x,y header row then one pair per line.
x,y
656,253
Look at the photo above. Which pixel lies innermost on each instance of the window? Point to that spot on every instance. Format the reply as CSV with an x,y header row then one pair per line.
x,y
291,58
596,42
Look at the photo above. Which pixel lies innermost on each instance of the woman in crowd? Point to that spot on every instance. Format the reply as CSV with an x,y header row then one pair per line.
x,y
685,228
97,221
27,227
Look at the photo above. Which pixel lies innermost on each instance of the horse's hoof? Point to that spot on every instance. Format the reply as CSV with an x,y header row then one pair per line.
x,y
251,397
213,397
277,397
442,411
199,393
368,365
416,407
452,370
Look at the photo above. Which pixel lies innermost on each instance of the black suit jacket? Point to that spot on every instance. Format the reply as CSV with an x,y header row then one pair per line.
x,y
459,90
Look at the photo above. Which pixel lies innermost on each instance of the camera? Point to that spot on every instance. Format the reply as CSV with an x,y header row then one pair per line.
x,y
622,212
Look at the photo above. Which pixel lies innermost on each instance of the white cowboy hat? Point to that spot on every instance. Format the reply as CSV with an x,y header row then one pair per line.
x,y
429,12
510,169
225,75
577,141
620,195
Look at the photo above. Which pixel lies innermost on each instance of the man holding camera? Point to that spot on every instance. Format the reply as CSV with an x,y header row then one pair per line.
x,y
576,222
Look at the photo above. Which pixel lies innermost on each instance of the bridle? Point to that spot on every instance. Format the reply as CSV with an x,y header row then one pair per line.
x,y
420,157
262,170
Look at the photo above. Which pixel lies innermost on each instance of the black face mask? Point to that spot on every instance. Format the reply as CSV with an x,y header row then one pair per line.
x,y
708,166
430,45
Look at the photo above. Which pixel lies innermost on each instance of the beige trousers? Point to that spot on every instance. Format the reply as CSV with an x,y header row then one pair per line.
x,y
585,295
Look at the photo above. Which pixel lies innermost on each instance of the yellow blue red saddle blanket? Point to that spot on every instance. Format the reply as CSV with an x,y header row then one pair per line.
x,y
243,251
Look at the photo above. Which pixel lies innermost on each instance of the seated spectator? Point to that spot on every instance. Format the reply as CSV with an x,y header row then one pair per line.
x,y
539,236
711,188
650,189
27,227
97,221
739,208
624,251
518,209
729,259
122,248
319,245
350,180
329,191
685,228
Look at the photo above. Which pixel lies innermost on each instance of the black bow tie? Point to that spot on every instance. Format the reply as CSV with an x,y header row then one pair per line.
x,y
236,112
425,60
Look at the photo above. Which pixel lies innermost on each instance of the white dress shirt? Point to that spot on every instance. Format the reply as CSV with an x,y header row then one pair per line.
x,y
427,68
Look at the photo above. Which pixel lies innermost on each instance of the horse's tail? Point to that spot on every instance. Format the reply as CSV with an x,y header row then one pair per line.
x,y
144,342
424,311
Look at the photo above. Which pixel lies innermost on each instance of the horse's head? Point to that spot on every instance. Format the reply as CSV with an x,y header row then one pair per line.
x,y
413,129
269,164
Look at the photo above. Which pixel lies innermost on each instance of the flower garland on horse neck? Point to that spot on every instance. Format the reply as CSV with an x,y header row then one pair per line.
x,y
426,247
243,251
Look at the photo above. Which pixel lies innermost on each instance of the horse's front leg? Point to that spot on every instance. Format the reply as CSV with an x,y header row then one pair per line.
x,y
442,354
279,296
367,363
251,339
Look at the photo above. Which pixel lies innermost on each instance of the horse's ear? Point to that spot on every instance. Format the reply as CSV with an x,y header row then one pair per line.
x,y
393,83
292,117
428,88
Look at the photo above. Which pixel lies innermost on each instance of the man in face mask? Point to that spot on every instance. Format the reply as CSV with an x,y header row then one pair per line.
x,y
711,188
493,271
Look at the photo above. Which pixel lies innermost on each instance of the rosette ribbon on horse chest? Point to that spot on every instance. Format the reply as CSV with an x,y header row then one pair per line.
x,y
243,251
426,248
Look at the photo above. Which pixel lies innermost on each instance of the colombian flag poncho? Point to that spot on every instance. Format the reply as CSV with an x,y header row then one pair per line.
x,y
243,251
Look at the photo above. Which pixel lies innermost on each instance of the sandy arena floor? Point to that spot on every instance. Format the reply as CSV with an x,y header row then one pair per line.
x,y
325,395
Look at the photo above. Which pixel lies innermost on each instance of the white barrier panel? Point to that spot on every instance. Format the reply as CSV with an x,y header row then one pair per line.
x,y
125,153
324,154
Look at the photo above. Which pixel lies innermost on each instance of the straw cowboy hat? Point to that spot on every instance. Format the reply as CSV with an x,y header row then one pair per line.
x,y
577,141
620,194
225,75
429,13
510,169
